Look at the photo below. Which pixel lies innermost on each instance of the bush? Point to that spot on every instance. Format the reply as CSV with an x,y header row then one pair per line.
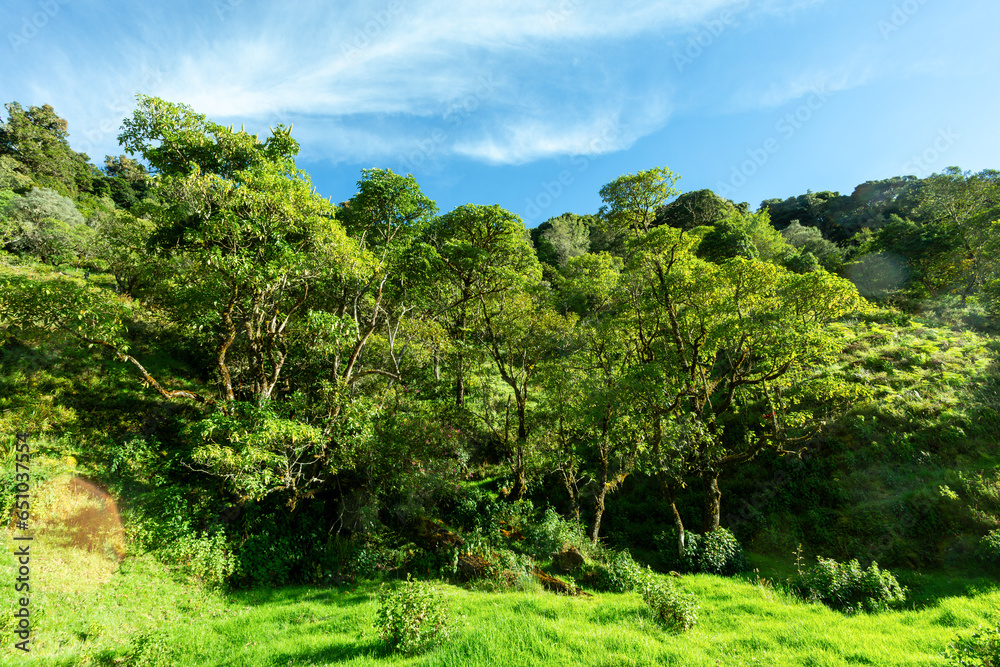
x,y
410,618
148,649
989,548
717,552
846,587
205,556
677,610
550,534
981,649
618,574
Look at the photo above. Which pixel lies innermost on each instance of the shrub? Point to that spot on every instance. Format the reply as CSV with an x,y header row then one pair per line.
x,y
205,556
550,534
717,552
989,548
846,587
148,649
618,574
981,649
677,610
410,618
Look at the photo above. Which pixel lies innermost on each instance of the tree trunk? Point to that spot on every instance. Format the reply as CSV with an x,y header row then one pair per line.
x,y
520,484
569,480
459,382
671,494
463,321
713,500
602,492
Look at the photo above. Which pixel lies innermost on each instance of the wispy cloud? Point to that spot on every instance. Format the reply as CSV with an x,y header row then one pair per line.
x,y
560,68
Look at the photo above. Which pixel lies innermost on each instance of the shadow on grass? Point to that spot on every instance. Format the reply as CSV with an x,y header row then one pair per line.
x,y
928,590
342,596
373,649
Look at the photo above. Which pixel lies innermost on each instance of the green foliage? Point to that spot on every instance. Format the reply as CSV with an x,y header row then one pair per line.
x,y
675,609
206,556
550,534
989,548
254,447
278,548
978,649
45,224
148,649
800,262
619,573
699,208
496,568
37,141
559,239
632,201
726,241
810,241
121,243
717,552
410,617
848,588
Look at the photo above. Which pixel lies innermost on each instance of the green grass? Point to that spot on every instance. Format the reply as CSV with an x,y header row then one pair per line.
x,y
142,614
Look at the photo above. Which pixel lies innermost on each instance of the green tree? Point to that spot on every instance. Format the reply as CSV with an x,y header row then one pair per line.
x,y
728,351
966,205
386,216
476,251
559,239
37,140
700,208
520,332
247,247
632,201
47,225
122,241
728,239
810,240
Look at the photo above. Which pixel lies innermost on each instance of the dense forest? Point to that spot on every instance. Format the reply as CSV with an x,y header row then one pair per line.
x,y
278,389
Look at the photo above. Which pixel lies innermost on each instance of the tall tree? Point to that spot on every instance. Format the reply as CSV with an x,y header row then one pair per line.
x,y
695,209
37,139
632,201
476,251
520,332
967,204
728,349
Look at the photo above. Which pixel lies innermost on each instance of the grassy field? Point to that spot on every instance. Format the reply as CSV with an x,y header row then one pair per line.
x,y
87,609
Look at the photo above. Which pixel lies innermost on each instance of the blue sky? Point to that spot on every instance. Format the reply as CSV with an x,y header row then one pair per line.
x,y
534,105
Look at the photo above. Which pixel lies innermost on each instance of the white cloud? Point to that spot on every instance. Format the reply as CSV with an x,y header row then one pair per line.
x,y
798,84
525,139
555,71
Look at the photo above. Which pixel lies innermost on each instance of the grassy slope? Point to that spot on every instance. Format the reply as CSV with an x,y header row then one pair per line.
x,y
88,611
910,478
